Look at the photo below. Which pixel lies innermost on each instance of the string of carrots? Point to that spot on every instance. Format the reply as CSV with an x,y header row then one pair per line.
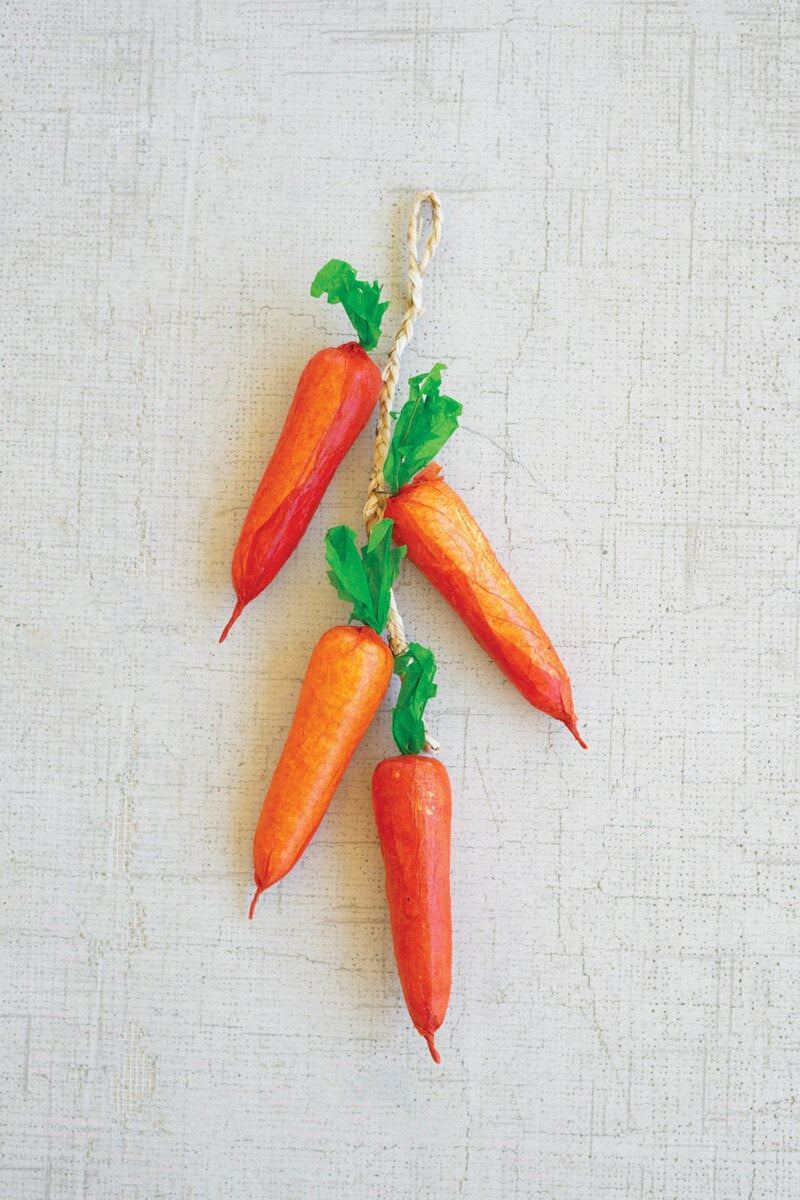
x,y
350,667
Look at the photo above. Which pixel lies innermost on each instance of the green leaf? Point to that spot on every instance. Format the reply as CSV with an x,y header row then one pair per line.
x,y
347,570
424,424
382,566
364,579
417,670
361,301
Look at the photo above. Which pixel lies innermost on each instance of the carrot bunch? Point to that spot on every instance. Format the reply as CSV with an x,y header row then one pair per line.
x,y
350,667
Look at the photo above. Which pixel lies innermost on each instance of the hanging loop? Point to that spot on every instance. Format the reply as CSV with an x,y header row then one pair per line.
x,y
376,492
417,266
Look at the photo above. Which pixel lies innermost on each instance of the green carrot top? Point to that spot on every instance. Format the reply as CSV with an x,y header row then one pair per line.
x,y
424,424
361,301
417,670
364,578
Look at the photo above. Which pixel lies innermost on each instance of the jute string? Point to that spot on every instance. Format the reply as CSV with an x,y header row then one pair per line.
x,y
376,493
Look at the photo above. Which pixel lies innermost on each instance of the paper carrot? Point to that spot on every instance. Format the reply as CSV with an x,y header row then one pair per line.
x,y
333,401
412,802
447,545
345,681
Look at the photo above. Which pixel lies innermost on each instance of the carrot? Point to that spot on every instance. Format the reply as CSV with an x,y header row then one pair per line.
x,y
345,681
448,546
412,802
446,543
333,401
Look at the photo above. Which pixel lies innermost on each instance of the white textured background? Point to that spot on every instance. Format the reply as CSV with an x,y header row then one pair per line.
x,y
616,296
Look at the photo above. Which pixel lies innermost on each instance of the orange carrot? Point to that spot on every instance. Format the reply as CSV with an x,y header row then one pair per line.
x,y
334,398
345,681
448,546
412,802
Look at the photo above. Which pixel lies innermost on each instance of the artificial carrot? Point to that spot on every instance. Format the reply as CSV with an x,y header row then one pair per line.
x,y
446,543
334,398
412,802
448,546
345,681
411,798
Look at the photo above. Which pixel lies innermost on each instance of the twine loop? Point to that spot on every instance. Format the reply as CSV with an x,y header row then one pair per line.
x,y
376,492
417,266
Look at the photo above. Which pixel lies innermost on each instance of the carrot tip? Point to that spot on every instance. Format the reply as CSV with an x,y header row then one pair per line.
x,y
259,889
573,728
237,612
434,1052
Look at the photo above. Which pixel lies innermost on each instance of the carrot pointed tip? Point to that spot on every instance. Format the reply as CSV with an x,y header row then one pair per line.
x,y
259,889
434,1052
572,726
237,612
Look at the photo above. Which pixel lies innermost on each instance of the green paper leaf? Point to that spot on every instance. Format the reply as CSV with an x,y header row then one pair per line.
x,y
364,579
417,670
347,569
382,566
361,301
424,424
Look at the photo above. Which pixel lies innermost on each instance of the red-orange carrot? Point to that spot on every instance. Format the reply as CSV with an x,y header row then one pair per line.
x,y
345,681
412,802
447,545
334,398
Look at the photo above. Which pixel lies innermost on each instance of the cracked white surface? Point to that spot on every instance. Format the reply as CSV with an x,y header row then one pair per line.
x,y
616,297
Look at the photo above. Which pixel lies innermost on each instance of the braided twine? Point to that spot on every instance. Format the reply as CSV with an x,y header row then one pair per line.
x,y
376,493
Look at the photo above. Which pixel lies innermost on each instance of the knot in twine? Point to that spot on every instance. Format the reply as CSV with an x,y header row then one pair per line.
x,y
376,492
